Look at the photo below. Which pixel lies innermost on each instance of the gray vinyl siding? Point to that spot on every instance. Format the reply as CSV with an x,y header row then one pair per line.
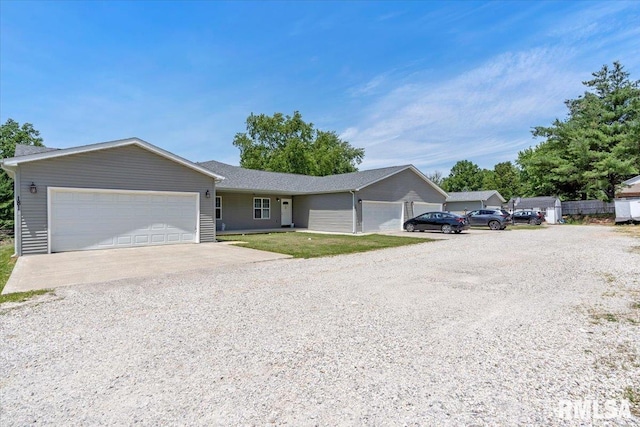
x,y
121,168
237,211
493,201
405,186
460,207
324,212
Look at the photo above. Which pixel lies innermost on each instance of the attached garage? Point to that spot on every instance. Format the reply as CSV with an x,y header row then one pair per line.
x,y
116,194
382,216
419,208
84,219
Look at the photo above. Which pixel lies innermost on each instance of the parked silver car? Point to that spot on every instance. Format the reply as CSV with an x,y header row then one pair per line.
x,y
495,219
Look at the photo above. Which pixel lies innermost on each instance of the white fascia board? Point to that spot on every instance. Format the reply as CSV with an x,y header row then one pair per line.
x,y
15,161
11,170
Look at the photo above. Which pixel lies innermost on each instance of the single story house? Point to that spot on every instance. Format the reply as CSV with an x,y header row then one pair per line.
x,y
465,201
551,207
132,193
627,201
366,201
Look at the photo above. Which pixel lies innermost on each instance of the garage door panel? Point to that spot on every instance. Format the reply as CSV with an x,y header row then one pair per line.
x,y
420,207
82,220
381,216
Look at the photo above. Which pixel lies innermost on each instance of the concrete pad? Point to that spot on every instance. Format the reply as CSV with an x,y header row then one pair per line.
x,y
33,272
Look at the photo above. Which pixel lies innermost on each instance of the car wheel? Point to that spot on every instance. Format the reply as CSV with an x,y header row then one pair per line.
x,y
533,222
446,229
410,227
494,225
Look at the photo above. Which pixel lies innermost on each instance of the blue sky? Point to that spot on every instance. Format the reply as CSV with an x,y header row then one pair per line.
x,y
427,83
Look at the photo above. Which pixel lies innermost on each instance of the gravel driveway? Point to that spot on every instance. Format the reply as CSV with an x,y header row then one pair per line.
x,y
482,328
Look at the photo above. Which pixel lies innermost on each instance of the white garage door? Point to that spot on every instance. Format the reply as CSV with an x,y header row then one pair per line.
x,y
419,208
83,219
381,216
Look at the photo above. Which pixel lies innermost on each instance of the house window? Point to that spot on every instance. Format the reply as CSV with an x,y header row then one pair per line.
x,y
261,208
218,207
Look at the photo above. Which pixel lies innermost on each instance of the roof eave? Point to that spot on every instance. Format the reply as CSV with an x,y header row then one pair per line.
x,y
15,161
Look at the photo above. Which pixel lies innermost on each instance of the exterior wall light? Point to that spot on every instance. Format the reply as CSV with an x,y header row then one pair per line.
x,y
32,188
207,194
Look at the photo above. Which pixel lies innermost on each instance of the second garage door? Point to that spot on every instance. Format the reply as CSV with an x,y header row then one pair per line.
x,y
420,207
85,219
381,216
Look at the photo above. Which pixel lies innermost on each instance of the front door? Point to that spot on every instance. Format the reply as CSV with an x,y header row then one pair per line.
x,y
286,216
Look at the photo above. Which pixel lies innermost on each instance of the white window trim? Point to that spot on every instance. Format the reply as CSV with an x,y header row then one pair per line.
x,y
262,209
215,208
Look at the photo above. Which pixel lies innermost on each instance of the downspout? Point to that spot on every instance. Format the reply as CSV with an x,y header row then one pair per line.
x,y
353,210
17,220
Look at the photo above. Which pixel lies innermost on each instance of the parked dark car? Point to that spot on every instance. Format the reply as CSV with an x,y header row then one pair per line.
x,y
495,219
527,217
443,221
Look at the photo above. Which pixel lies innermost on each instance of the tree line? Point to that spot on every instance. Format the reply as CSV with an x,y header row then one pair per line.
x,y
583,157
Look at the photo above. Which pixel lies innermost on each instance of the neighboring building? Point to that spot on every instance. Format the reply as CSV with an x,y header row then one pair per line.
x,y
551,207
627,201
131,193
366,201
465,201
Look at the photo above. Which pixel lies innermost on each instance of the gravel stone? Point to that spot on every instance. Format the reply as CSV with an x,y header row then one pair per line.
x,y
482,328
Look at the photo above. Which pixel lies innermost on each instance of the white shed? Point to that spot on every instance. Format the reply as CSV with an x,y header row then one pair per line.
x,y
627,201
550,206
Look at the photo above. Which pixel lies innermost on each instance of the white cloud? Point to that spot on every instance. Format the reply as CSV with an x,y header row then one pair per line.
x,y
466,116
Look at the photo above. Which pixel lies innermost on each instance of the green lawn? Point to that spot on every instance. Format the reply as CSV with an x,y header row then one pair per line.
x,y
6,267
309,245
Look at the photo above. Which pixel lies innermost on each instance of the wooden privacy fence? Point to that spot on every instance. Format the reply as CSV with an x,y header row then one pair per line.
x,y
588,207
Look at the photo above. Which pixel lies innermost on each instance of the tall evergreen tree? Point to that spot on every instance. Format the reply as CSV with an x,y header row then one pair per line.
x,y
596,147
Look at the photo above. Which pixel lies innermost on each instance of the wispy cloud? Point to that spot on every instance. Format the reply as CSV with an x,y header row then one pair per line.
x,y
466,116
485,114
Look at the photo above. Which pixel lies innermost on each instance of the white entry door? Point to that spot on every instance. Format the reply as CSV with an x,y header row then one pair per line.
x,y
86,219
286,213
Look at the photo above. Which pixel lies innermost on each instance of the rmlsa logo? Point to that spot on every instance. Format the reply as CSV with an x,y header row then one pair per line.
x,y
593,409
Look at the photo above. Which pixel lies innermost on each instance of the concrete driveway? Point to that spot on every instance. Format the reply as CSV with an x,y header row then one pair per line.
x,y
73,268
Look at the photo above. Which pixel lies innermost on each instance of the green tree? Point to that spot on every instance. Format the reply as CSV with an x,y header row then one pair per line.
x,y
11,134
464,176
282,143
596,147
505,177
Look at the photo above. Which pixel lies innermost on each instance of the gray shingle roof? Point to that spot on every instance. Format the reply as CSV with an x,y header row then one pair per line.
x,y
237,178
26,150
470,196
535,202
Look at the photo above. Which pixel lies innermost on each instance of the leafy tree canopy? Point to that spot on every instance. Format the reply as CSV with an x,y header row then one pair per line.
x,y
595,148
288,144
11,134
464,176
505,177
